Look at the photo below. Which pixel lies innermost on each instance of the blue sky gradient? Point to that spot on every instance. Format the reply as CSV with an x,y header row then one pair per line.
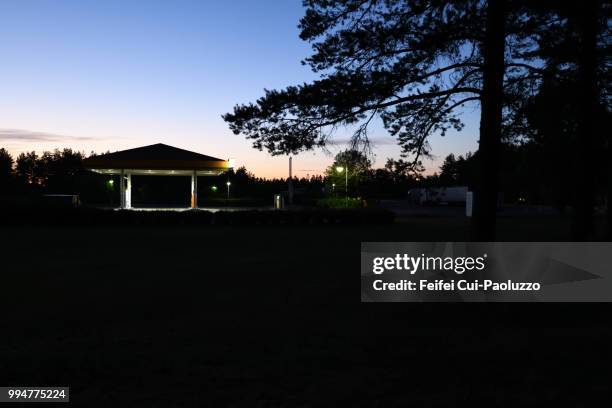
x,y
109,75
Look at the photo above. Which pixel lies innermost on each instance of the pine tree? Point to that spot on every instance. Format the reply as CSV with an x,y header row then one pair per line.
x,y
412,63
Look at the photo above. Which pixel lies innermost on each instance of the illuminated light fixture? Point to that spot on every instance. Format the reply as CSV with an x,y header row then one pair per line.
x,y
228,184
214,188
341,169
111,182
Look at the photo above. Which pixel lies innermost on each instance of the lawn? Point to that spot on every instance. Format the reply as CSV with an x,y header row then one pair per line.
x,y
271,316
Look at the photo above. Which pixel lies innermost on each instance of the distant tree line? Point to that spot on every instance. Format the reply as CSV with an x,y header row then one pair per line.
x,y
56,172
62,172
391,181
532,172
248,187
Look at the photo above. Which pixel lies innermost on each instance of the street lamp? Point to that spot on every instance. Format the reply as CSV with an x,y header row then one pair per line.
x,y
341,169
228,184
110,187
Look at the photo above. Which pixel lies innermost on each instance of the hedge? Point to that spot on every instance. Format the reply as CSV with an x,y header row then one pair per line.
x,y
100,217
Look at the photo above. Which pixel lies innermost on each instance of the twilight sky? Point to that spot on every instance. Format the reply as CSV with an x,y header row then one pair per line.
x,y
110,75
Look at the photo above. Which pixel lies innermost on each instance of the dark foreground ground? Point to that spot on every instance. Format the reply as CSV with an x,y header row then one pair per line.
x,y
271,316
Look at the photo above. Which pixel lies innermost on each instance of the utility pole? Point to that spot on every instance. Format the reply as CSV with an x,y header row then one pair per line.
x,y
346,184
290,186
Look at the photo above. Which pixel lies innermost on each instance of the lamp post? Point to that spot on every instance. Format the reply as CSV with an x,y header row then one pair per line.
x,y
344,169
228,184
110,184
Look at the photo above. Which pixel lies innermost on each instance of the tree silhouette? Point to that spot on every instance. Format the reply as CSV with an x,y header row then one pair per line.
x,y
6,165
587,22
358,170
456,171
573,102
58,169
27,168
414,64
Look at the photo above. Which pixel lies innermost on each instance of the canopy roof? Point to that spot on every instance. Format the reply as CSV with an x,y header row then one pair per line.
x,y
156,159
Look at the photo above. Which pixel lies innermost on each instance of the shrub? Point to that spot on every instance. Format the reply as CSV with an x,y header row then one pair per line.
x,y
337,202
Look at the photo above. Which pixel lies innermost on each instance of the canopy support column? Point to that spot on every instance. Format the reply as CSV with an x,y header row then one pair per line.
x,y
194,190
122,189
128,192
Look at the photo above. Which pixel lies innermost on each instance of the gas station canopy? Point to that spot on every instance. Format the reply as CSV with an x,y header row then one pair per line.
x,y
157,159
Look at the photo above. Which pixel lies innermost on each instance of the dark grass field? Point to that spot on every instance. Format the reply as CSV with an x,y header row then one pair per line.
x,y
271,316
